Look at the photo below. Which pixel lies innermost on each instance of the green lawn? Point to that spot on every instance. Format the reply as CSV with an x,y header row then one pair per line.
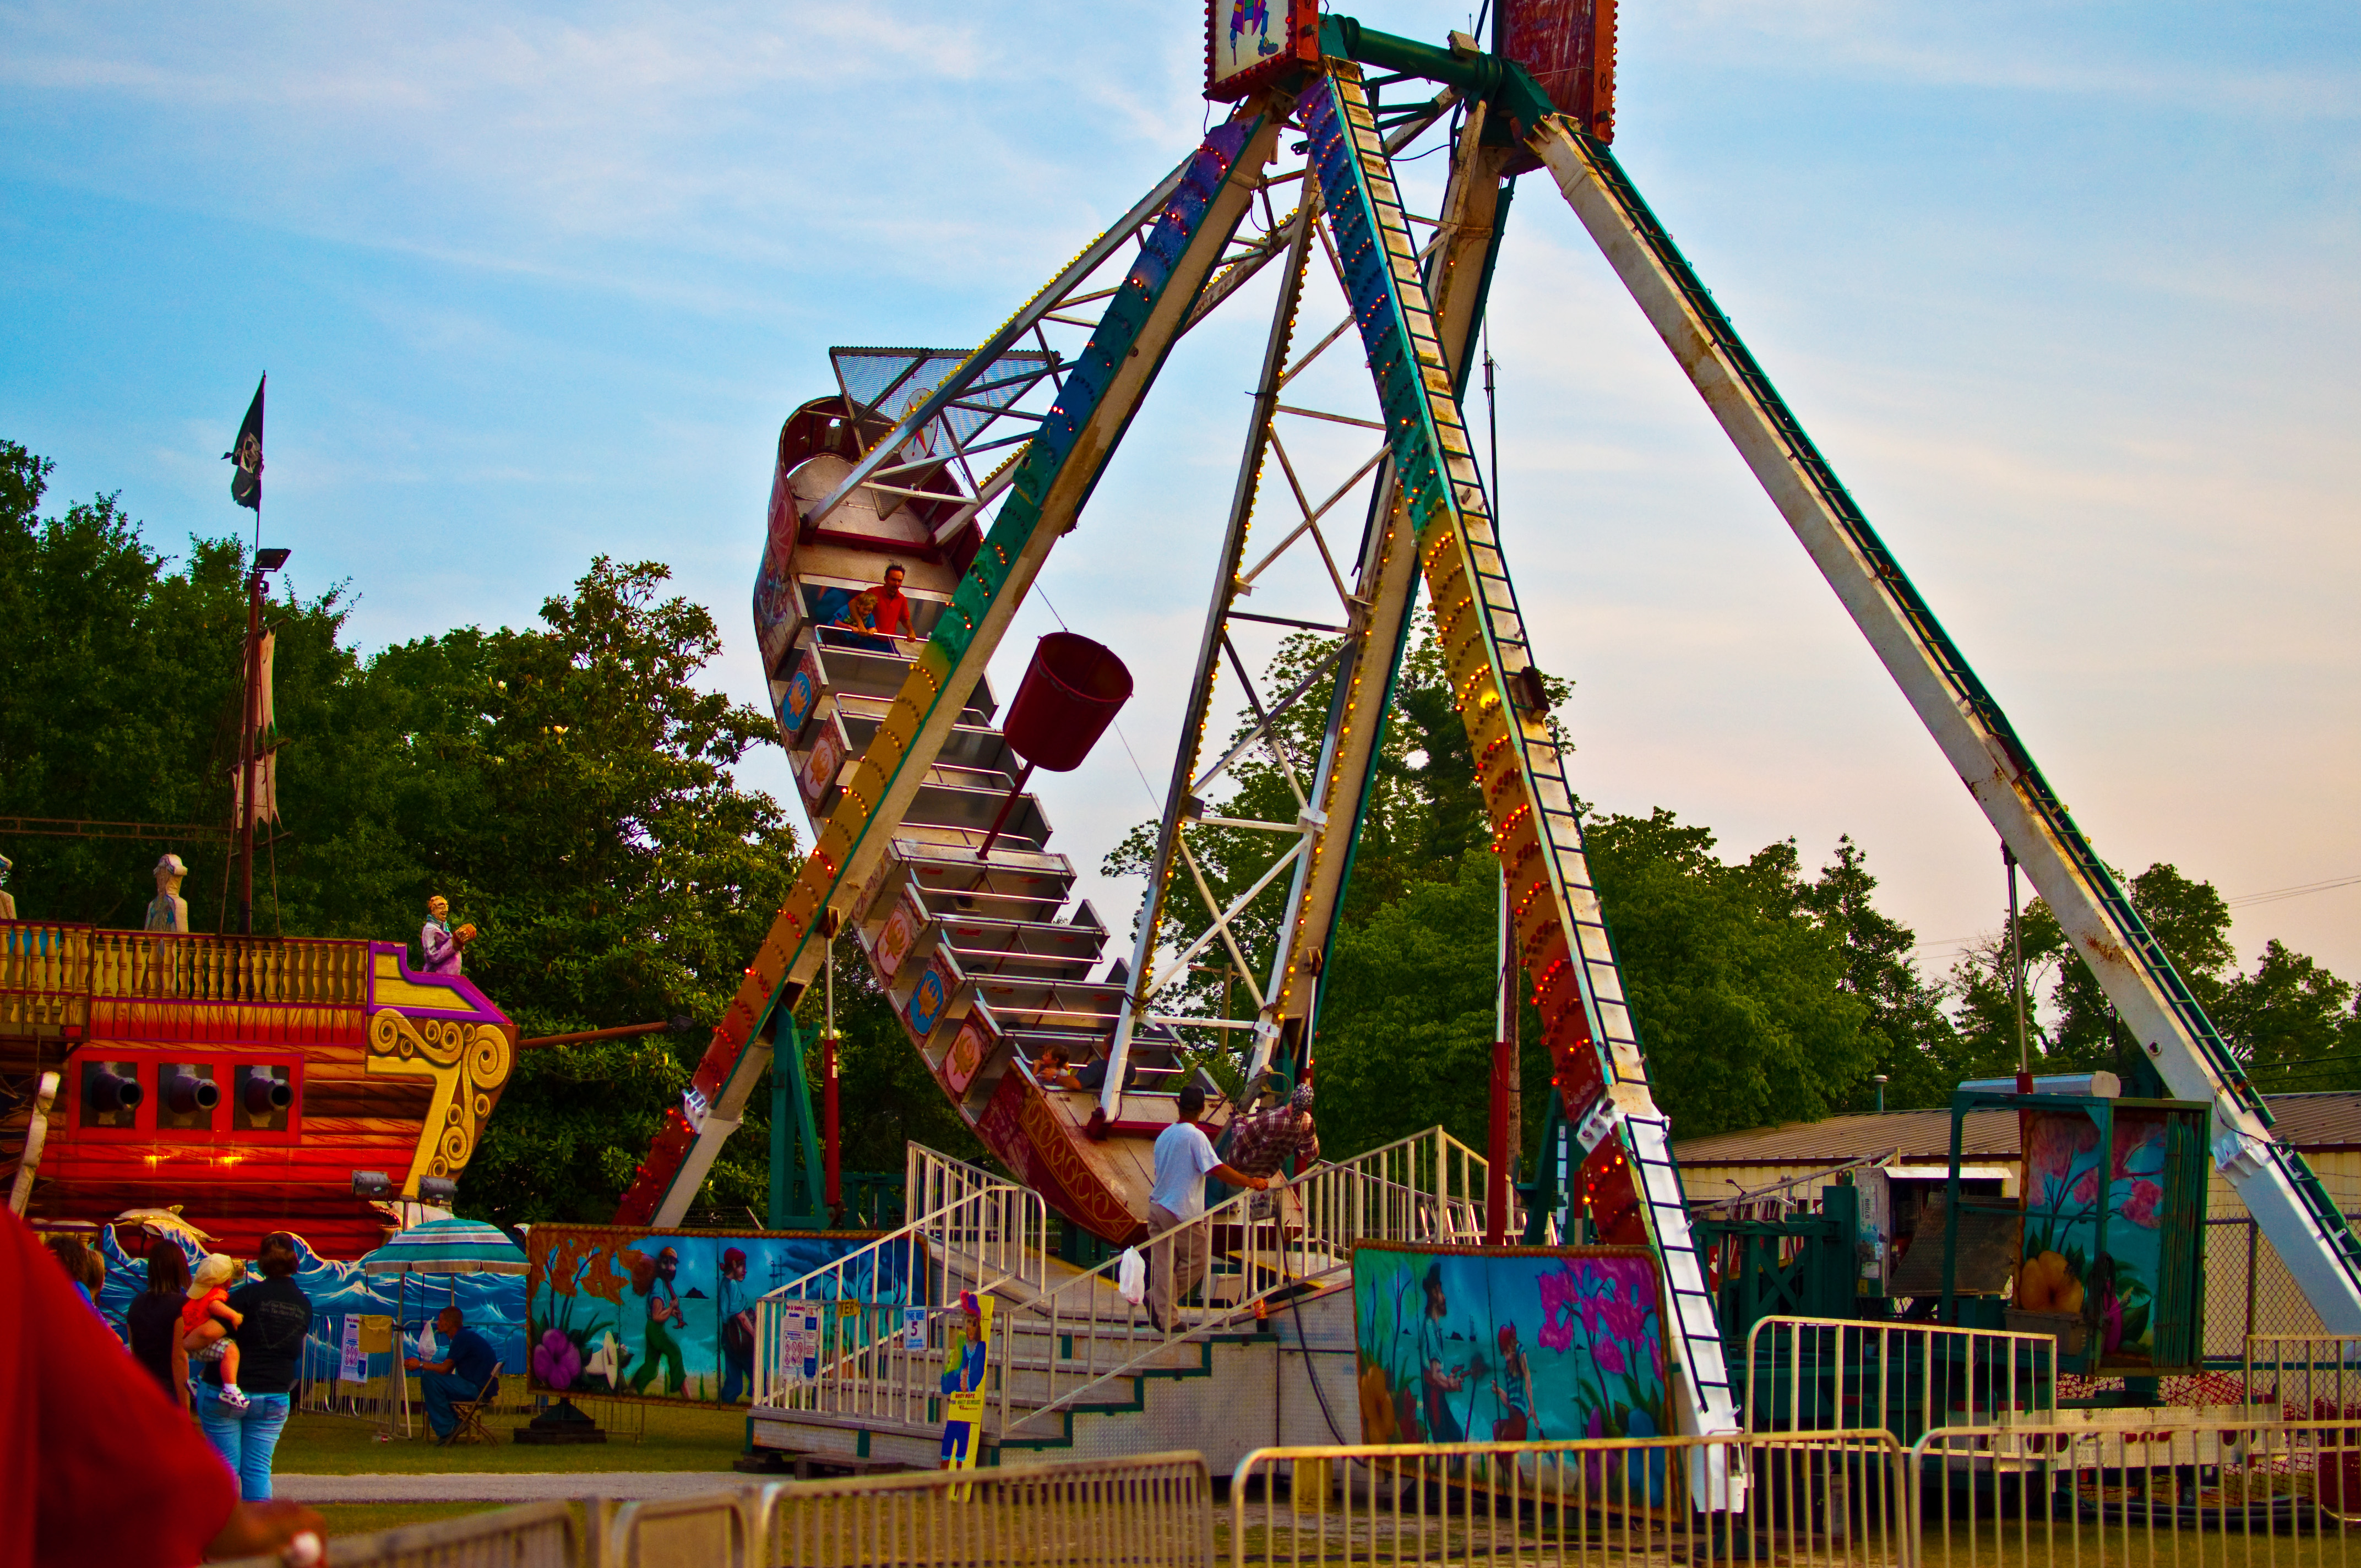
x,y
675,1439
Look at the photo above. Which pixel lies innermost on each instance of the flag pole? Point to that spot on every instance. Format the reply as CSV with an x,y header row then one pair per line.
x,y
246,746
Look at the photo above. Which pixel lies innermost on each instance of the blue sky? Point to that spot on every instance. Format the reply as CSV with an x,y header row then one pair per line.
x,y
2065,292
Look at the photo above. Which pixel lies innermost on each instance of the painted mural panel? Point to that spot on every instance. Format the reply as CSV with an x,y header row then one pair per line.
x,y
1466,1345
669,1314
2109,1282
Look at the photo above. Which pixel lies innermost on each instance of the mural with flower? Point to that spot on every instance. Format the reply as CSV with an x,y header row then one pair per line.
x,y
1461,1344
2064,1269
669,1314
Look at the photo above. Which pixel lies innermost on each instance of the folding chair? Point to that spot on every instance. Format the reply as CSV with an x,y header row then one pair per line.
x,y
468,1414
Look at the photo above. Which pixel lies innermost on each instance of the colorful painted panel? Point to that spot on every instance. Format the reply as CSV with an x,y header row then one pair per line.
x,y
1468,1345
2111,1276
668,1314
1249,41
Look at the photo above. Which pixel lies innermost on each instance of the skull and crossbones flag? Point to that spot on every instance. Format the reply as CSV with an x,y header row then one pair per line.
x,y
246,483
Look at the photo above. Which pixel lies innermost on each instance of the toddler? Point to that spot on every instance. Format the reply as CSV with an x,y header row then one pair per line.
x,y
207,1321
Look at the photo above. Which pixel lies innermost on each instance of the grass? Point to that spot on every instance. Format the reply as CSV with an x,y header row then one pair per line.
x,y
675,1439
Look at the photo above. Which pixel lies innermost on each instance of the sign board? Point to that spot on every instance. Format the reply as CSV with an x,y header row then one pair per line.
x,y
1505,1344
963,1387
1249,42
352,1366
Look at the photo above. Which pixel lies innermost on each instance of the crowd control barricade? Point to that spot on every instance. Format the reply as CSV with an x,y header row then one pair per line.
x,y
716,1529
1824,1498
1838,1374
536,1535
1152,1511
2139,1487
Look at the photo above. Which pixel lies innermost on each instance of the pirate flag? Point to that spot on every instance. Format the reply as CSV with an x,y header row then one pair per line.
x,y
245,484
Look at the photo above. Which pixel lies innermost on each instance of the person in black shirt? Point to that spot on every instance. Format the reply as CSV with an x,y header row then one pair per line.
x,y
277,1316
155,1319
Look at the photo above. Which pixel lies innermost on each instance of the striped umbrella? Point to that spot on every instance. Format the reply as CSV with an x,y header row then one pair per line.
x,y
447,1246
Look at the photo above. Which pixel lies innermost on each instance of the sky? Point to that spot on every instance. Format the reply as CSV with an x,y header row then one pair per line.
x,y
2066,292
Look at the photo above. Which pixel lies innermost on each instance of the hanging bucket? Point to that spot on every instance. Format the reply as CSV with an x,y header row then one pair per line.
x,y
1070,693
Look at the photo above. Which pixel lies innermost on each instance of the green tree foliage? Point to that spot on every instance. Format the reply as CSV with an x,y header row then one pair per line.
x,y
1737,985
568,786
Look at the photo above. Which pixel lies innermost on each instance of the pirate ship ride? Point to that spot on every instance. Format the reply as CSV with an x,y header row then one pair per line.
x,y
245,1078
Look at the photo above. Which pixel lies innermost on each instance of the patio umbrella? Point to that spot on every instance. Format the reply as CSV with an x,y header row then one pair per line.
x,y
447,1246
439,1247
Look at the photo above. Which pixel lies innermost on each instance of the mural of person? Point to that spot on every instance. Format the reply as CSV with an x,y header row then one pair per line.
x,y
7,899
1516,1394
1436,1380
653,1278
168,911
736,1327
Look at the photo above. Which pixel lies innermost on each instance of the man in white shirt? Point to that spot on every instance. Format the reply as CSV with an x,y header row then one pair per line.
x,y
1184,1157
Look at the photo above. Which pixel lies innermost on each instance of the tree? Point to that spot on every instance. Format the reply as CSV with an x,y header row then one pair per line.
x,y
1737,989
2293,1024
1907,1035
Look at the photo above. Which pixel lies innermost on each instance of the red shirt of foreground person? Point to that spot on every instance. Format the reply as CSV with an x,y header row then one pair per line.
x,y
893,611
98,1468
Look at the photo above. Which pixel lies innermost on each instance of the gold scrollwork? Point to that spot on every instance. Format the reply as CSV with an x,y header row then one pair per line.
x,y
468,1063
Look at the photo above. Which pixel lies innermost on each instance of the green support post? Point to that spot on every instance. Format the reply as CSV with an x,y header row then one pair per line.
x,y
795,1179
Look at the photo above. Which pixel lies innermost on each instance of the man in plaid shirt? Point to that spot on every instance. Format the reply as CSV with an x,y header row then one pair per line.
x,y
1263,1144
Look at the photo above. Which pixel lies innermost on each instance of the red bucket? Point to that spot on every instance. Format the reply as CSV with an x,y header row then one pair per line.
x,y
1070,693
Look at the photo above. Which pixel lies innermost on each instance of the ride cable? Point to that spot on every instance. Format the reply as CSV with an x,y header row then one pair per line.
x,y
1195,214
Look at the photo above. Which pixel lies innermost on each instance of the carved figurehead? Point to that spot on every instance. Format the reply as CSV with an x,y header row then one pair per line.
x,y
168,911
7,899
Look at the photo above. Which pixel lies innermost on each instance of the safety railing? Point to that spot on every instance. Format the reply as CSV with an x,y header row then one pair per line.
x,y
44,976
1253,1247
2158,1486
50,973
841,1340
536,1535
1830,1374
1791,1498
2304,1376
1154,1510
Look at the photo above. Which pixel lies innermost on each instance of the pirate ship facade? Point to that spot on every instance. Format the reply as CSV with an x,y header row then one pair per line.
x,y
245,1078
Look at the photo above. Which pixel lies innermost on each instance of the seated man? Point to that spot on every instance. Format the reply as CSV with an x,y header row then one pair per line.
x,y
468,1365
1266,1142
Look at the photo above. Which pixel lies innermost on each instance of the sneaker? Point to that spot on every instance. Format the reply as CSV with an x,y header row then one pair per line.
x,y
233,1397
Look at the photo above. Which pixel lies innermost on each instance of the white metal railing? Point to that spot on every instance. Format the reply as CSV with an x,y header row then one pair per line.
x,y
1834,1374
2304,1376
832,1342
1083,1335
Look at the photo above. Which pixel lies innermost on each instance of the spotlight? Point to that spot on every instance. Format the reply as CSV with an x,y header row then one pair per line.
x,y
372,1184
439,1190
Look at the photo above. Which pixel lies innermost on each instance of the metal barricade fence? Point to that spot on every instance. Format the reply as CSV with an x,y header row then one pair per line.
x,y
2146,1486
716,1529
2300,1377
537,1535
1837,1375
1833,1499
1152,1511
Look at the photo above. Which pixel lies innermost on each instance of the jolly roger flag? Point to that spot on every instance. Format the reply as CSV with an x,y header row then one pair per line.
x,y
245,484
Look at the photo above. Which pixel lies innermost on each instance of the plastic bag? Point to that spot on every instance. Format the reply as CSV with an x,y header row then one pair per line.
x,y
1131,1275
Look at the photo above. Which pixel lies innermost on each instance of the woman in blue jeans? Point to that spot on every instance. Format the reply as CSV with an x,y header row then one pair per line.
x,y
270,1355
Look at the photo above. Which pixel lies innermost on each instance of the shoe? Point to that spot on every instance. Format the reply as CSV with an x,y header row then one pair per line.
x,y
233,1399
